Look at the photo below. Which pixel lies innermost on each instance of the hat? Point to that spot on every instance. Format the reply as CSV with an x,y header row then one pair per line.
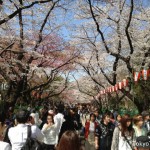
x,y
145,113
143,142
51,112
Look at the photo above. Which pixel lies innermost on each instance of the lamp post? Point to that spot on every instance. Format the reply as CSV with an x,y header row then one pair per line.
x,y
3,87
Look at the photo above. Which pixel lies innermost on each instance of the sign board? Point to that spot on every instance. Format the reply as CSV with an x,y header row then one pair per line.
x,y
4,86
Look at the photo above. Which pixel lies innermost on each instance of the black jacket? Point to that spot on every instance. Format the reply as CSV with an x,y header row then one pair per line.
x,y
67,125
105,134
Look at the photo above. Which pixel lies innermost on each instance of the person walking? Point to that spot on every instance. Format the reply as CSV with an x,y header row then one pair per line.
x,y
98,116
140,130
118,119
90,128
49,131
68,125
18,134
124,136
58,120
69,141
104,133
146,119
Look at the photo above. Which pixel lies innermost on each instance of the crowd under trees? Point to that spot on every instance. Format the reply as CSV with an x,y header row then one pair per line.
x,y
108,41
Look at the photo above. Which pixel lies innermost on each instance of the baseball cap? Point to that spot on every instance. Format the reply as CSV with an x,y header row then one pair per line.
x,y
143,142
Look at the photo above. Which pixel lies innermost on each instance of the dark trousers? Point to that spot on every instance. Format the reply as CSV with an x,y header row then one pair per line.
x,y
48,147
105,144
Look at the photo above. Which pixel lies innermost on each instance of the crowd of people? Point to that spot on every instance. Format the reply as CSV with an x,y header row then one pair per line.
x,y
78,127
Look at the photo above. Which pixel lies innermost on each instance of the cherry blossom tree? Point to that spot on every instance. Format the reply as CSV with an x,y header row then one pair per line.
x,y
115,37
32,53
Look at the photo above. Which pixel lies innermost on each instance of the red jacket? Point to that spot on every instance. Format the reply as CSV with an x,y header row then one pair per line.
x,y
87,126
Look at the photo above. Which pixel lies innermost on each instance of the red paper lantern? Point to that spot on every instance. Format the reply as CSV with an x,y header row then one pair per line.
x,y
125,82
145,74
110,89
120,85
137,76
148,73
113,89
116,87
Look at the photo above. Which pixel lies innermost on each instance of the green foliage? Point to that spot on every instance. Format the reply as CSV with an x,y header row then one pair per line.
x,y
140,100
131,112
141,93
141,89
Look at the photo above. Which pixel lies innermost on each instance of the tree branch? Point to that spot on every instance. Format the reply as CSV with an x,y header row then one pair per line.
x,y
6,48
43,25
127,28
20,9
98,27
66,82
20,56
81,90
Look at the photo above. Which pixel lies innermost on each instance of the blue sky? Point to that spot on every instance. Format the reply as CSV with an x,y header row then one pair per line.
x,y
65,31
71,21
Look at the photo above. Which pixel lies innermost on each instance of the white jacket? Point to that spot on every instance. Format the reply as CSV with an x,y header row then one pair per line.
x,y
4,146
58,120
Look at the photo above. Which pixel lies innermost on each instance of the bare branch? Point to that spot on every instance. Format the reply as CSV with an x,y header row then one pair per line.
x,y
98,27
43,25
7,48
65,87
20,9
127,27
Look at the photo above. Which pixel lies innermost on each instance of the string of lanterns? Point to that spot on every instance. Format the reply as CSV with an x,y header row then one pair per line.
x,y
124,83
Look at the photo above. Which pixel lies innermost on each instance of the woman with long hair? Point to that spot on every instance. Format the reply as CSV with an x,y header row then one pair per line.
x,y
90,128
69,141
49,131
124,136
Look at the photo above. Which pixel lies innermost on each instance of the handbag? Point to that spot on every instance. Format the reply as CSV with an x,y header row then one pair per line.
x,y
127,140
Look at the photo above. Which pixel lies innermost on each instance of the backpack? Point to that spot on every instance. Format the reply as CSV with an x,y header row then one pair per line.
x,y
31,143
6,138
